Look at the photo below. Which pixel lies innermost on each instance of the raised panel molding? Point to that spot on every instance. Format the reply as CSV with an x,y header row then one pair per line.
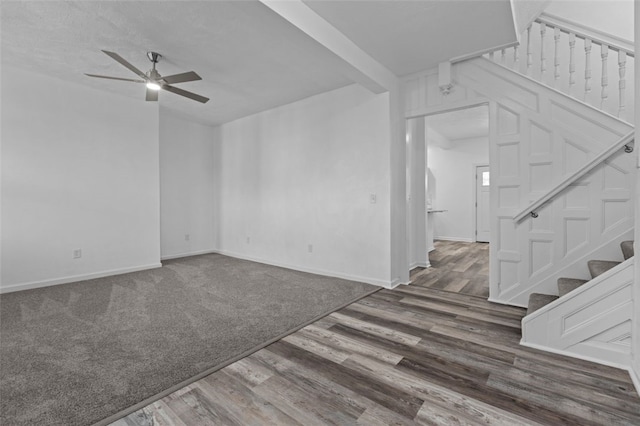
x,y
576,235
541,140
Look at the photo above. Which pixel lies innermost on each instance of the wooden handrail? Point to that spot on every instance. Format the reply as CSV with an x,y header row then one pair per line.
x,y
583,32
561,186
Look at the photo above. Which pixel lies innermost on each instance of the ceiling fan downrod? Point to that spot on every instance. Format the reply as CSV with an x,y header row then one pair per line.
x,y
154,57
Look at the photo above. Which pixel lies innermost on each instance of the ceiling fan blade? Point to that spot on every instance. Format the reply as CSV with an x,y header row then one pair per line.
x,y
124,62
115,78
185,94
182,78
152,95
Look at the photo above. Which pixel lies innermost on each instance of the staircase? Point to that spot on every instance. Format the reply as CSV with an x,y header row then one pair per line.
x,y
577,316
568,285
563,182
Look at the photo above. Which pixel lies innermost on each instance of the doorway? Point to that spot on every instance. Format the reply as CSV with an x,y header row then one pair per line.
x,y
456,143
448,199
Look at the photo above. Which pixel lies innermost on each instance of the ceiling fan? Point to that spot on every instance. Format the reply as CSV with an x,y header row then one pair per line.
x,y
154,81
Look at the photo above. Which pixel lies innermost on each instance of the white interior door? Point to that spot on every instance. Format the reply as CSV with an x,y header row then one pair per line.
x,y
482,204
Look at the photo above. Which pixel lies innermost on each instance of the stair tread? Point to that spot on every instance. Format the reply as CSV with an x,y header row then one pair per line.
x,y
567,285
627,249
538,300
598,267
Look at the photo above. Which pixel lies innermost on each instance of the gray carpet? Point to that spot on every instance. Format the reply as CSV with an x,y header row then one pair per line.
x,y
75,354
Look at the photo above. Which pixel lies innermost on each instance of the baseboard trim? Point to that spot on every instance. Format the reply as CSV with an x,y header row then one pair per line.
x,y
187,254
419,265
367,280
574,355
75,278
460,239
395,283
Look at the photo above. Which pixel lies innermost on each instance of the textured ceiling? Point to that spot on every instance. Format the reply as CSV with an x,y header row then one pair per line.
x,y
410,36
250,59
461,124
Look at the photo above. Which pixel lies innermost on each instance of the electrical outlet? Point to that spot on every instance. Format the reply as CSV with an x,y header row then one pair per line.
x,y
310,248
77,253
373,198
187,237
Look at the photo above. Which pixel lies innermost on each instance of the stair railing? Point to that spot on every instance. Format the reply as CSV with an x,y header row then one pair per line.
x,y
625,142
550,34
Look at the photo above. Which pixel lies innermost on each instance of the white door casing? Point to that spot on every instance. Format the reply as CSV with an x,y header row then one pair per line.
x,y
482,205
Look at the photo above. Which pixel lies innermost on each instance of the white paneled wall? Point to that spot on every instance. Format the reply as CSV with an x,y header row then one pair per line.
x,y
635,371
537,137
540,136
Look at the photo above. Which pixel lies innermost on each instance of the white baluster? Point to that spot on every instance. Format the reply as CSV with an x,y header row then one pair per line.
x,y
587,68
622,63
516,58
556,57
491,56
572,63
503,56
604,54
543,59
529,53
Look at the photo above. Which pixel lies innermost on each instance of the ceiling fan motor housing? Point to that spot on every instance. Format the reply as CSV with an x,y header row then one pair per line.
x,y
154,75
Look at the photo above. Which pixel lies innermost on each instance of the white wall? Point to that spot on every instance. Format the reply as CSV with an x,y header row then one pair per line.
x,y
525,12
79,171
301,175
452,186
614,17
186,187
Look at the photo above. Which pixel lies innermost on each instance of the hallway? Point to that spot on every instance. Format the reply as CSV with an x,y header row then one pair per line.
x,y
457,267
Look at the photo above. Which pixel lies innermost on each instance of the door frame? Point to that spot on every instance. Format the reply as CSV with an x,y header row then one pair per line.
x,y
443,109
474,204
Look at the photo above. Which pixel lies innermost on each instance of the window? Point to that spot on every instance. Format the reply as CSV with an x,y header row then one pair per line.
x,y
485,178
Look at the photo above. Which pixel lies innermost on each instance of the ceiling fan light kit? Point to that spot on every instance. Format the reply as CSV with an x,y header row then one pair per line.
x,y
153,80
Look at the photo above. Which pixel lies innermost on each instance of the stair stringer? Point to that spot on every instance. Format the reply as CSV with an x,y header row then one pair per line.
x,y
593,322
539,136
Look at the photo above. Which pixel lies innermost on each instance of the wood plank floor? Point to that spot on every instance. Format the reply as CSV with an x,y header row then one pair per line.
x,y
413,355
457,267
